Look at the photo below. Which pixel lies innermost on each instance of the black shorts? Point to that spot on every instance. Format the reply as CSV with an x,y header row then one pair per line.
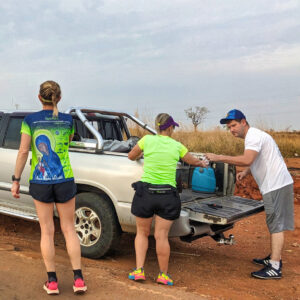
x,y
58,192
150,199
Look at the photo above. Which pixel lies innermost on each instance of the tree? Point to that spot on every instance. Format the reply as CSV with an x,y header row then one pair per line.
x,y
197,115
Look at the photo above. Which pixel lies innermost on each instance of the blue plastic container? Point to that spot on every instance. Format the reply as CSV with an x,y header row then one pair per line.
x,y
204,180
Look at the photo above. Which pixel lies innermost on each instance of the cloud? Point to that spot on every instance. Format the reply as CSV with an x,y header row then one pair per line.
x,y
262,60
129,53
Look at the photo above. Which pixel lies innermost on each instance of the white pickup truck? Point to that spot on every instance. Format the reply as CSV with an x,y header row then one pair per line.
x,y
104,175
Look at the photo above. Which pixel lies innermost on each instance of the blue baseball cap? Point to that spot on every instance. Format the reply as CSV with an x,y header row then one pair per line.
x,y
233,114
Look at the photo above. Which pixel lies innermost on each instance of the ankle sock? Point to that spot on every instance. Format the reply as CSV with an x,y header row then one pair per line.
x,y
52,276
275,264
77,274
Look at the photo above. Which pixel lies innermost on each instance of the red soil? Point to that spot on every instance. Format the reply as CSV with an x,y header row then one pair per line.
x,y
248,188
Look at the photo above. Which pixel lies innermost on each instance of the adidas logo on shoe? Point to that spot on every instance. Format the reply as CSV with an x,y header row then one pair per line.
x,y
268,272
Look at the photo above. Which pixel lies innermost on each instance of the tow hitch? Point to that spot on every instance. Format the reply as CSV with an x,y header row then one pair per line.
x,y
222,240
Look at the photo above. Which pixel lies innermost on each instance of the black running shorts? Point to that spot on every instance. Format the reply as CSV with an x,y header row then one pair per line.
x,y
161,200
58,192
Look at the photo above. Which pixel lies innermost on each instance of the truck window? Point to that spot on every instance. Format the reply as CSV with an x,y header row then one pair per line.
x,y
13,137
0,129
112,130
81,131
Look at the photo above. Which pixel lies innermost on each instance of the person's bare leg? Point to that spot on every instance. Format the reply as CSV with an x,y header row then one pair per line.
x,y
162,228
66,216
45,214
277,241
143,227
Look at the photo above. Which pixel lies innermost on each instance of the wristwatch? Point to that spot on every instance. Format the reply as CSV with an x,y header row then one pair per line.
x,y
13,178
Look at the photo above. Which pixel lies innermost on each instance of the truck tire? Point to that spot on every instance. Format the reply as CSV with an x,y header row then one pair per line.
x,y
96,224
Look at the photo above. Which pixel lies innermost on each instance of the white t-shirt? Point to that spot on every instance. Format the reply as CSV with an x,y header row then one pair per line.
x,y
268,169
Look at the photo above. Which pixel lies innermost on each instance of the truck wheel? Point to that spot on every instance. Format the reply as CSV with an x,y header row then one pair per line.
x,y
96,225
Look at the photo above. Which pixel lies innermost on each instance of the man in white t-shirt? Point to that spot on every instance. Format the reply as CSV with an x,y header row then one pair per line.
x,y
263,159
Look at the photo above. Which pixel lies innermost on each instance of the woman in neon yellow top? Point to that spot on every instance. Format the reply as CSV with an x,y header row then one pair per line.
x,y
156,194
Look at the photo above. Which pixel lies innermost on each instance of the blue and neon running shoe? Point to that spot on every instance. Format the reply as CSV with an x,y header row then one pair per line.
x,y
137,275
165,279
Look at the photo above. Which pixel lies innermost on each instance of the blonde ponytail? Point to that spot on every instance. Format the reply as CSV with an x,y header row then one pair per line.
x,y
55,110
50,95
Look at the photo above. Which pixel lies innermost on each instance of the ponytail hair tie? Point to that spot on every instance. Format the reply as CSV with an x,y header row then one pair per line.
x,y
47,101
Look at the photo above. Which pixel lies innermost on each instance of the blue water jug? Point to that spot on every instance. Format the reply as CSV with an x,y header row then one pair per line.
x,y
204,180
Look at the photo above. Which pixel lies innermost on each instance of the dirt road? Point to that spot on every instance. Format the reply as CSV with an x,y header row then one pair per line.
x,y
201,270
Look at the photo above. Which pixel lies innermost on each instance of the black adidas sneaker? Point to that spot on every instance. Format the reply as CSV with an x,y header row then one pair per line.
x,y
264,261
268,272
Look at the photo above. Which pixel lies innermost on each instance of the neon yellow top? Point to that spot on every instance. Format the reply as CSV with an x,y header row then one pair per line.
x,y
161,154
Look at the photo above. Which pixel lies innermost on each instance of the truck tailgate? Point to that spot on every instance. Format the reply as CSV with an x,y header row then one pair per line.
x,y
221,210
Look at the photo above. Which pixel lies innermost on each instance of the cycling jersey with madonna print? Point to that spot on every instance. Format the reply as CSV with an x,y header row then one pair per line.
x,y
49,145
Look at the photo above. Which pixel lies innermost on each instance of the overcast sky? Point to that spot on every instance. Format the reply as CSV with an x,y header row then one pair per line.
x,y
156,56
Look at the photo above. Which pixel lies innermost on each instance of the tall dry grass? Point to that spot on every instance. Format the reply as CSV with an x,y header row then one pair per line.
x,y
288,143
215,141
222,142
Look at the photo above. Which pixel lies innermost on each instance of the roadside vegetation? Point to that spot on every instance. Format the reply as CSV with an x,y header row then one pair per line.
x,y
221,141
218,140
